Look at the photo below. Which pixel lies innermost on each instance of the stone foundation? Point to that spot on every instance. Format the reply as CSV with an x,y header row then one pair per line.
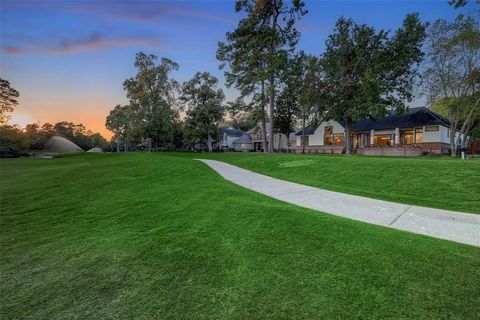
x,y
435,148
320,149
386,151
391,151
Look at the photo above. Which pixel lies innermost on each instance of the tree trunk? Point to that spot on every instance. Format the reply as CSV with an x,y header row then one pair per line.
x,y
288,142
454,117
149,144
467,131
272,83
209,144
303,134
466,125
126,145
118,144
452,141
264,120
348,133
272,102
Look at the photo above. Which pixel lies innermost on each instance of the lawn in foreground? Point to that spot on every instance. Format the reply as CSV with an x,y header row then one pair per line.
x,y
147,236
444,183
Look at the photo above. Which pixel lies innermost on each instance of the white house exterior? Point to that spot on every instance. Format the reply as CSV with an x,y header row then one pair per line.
x,y
416,131
280,141
255,142
316,138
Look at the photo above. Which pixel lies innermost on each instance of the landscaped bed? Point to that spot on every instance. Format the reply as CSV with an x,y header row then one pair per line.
x,y
437,182
147,236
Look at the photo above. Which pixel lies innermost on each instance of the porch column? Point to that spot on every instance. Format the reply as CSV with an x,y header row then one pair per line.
x,y
397,136
372,133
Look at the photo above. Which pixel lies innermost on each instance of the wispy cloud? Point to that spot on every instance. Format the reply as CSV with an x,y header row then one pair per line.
x,y
65,46
12,50
157,11
125,10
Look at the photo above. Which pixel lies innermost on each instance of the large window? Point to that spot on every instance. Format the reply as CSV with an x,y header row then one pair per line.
x,y
418,135
406,137
360,139
328,136
365,139
355,140
338,139
305,141
382,140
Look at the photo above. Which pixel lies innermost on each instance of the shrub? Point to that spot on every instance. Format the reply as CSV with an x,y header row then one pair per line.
x,y
13,142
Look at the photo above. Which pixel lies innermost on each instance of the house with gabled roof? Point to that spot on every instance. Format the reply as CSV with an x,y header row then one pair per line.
x,y
412,133
280,140
243,144
226,137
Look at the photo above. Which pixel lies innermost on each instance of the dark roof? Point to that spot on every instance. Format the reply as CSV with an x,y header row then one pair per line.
x,y
414,117
309,130
244,139
231,132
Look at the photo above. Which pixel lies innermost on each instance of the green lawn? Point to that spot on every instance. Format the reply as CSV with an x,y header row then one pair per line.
x,y
155,236
443,183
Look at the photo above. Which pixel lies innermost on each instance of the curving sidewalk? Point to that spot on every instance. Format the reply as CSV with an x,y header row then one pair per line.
x,y
450,225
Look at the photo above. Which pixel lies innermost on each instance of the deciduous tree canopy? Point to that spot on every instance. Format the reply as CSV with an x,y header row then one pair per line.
x,y
203,103
452,72
368,72
8,100
152,96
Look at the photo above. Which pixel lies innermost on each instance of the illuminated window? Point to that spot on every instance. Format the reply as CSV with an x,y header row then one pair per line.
x,y
406,137
338,139
382,140
418,135
328,136
355,139
431,128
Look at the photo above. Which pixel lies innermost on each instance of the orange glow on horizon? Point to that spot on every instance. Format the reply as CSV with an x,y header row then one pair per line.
x,y
92,117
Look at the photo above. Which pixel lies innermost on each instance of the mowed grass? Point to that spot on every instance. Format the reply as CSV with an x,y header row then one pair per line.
x,y
153,236
444,183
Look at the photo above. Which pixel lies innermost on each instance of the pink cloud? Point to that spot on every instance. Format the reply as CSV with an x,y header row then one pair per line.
x,y
94,42
12,50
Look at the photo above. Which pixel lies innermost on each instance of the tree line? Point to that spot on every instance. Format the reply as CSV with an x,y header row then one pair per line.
x,y
16,141
363,73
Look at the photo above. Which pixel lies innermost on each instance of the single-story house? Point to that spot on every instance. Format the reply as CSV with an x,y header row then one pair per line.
x,y
417,130
226,137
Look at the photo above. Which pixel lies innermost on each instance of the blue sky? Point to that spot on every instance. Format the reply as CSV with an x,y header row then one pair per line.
x,y
68,59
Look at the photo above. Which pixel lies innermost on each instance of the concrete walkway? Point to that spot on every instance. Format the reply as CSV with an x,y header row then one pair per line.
x,y
443,224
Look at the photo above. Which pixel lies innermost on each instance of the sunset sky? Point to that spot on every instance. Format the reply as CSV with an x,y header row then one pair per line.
x,y
68,59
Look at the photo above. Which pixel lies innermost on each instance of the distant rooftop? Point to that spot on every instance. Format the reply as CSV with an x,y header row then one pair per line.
x,y
232,132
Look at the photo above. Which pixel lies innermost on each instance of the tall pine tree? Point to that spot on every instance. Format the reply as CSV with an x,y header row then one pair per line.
x,y
257,49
